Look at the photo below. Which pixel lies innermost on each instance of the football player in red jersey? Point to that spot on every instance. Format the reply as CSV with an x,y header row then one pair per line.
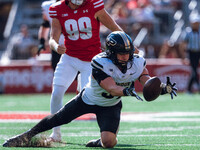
x,y
79,22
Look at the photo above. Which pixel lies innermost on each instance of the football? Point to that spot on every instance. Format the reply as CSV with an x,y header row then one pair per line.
x,y
152,89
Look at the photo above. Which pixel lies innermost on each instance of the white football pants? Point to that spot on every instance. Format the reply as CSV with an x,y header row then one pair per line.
x,y
64,75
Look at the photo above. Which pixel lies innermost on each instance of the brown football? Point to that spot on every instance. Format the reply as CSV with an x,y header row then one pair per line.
x,y
152,89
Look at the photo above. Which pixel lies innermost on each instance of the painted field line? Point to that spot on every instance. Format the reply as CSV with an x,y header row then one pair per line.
x,y
126,117
176,145
158,135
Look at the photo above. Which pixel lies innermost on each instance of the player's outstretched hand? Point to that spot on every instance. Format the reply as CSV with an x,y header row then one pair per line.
x,y
130,91
169,88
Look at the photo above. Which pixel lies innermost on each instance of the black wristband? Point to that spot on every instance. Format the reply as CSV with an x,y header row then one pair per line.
x,y
124,91
42,41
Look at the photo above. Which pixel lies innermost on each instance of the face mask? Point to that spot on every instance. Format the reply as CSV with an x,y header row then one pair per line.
x,y
77,2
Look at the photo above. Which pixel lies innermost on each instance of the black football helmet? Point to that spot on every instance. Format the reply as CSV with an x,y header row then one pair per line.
x,y
118,42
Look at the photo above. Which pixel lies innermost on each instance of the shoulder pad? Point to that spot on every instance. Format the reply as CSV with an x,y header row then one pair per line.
x,y
47,4
98,60
140,60
98,4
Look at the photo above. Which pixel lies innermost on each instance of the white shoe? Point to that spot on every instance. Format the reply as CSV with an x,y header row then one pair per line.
x,y
56,137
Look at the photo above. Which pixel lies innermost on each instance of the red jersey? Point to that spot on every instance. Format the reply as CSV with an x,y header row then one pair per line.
x,y
80,28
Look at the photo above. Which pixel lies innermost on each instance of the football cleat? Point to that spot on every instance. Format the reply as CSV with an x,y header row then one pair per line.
x,y
94,143
56,137
21,140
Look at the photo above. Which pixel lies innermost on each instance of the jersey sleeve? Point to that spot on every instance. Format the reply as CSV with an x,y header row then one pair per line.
x,y
98,5
141,61
98,70
45,8
54,10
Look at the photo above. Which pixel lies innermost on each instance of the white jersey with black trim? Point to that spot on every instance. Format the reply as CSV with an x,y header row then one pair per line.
x,y
94,94
45,10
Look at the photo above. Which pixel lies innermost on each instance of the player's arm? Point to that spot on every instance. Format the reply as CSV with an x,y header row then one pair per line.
x,y
107,82
144,76
43,33
54,37
44,28
103,16
111,87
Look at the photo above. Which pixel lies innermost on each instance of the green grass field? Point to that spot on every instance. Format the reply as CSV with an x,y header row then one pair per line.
x,y
161,124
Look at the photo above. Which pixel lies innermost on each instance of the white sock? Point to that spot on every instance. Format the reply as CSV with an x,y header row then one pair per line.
x,y
56,104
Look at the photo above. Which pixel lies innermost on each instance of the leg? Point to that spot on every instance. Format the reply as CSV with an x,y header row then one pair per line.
x,y
108,139
65,115
194,61
62,80
56,104
108,119
55,57
191,80
78,89
85,72
109,124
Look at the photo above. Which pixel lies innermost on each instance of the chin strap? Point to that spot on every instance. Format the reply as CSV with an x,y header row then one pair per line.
x,y
124,69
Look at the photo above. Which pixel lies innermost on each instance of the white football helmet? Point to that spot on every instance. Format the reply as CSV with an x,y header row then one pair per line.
x,y
77,2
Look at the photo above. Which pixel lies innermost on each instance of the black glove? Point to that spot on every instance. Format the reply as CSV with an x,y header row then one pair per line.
x,y
130,91
169,88
41,46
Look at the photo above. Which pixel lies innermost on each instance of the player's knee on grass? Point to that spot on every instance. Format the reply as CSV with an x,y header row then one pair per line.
x,y
108,139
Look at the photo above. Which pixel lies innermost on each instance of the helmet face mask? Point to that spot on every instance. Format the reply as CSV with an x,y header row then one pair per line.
x,y
77,2
119,42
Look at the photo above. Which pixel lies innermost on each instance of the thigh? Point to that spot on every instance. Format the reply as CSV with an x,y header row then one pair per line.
x,y
65,72
85,73
73,109
108,118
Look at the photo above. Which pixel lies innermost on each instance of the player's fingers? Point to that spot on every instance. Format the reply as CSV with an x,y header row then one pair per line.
x,y
61,49
139,98
174,93
60,52
168,80
174,88
174,84
171,95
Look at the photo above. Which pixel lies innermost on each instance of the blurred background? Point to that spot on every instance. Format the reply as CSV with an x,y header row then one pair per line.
x,y
157,28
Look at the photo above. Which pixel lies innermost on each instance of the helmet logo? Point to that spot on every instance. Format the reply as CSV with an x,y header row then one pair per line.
x,y
111,42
